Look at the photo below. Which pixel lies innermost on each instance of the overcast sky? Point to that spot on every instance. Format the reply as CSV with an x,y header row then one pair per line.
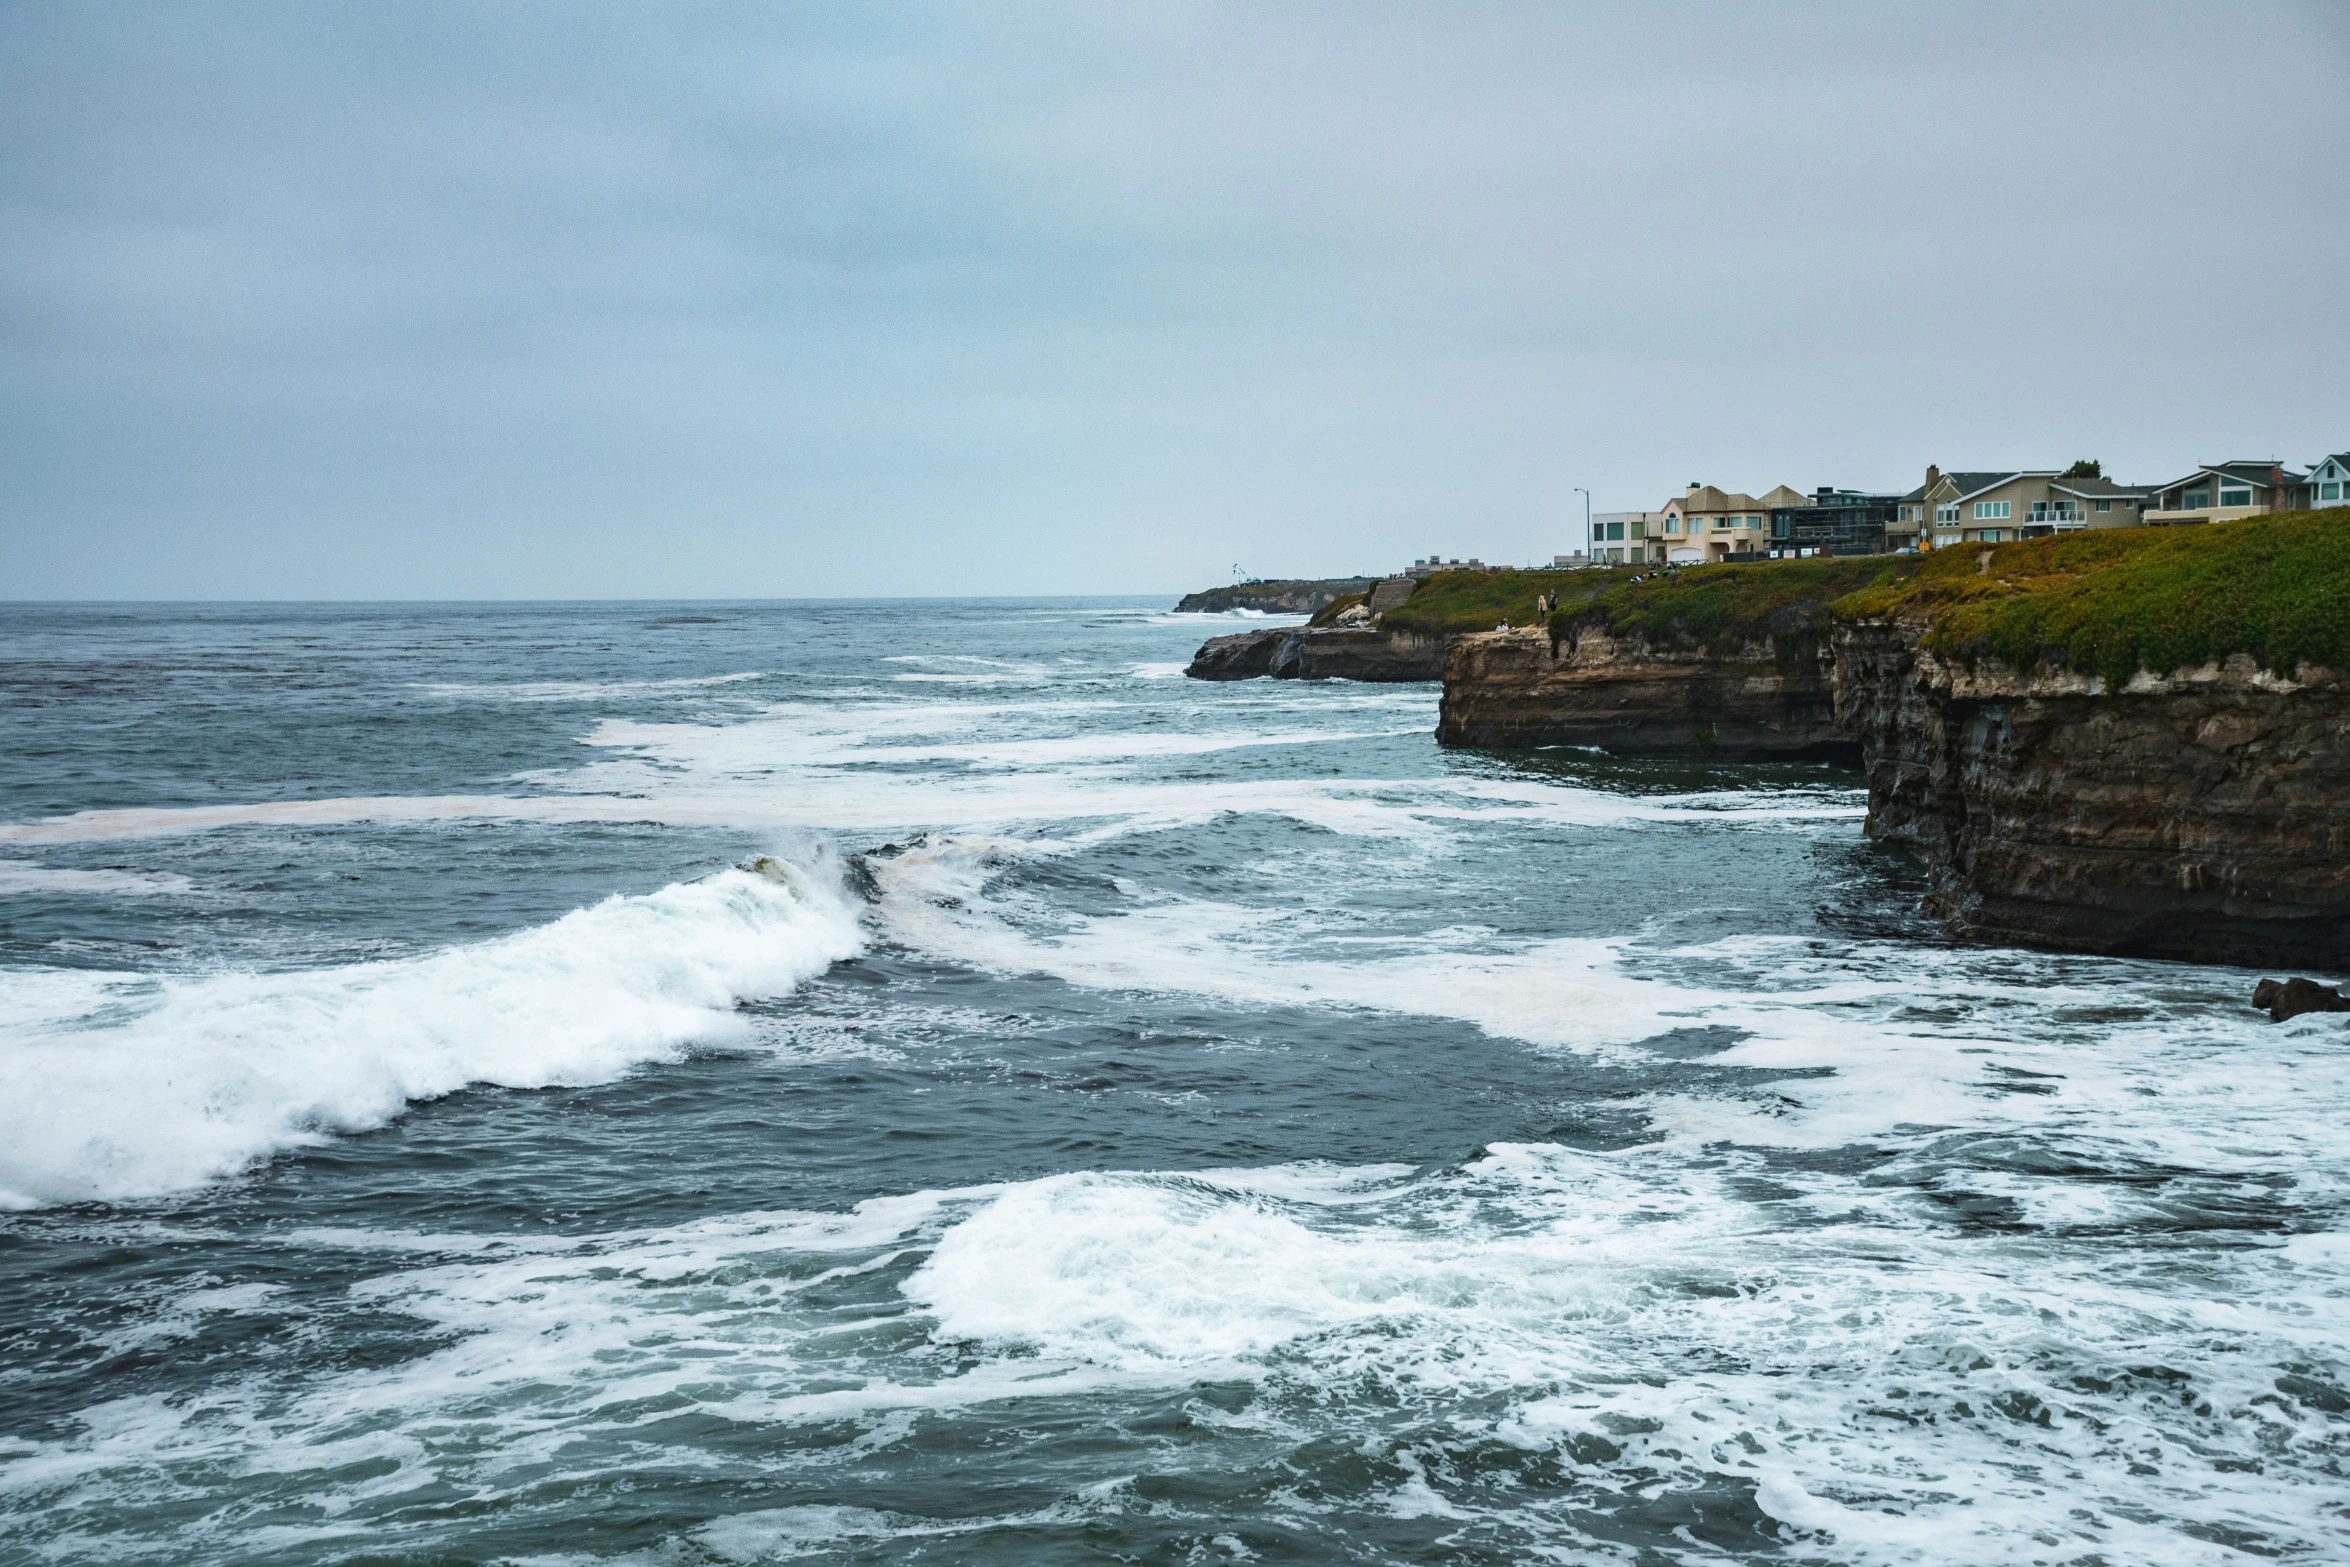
x,y
578,300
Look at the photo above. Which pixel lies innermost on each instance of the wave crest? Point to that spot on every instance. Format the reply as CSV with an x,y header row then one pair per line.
x,y
123,1087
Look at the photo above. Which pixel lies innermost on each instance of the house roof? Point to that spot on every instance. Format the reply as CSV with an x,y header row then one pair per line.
x,y
1783,496
2246,470
2102,489
1972,484
2341,457
1706,498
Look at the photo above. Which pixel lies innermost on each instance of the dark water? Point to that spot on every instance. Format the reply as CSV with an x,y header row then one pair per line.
x,y
870,1082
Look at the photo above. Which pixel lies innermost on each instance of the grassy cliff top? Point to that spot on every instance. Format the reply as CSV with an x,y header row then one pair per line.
x,y
2108,601
2111,602
1454,601
1712,605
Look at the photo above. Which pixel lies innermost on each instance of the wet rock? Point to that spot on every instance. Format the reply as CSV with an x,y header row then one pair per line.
x,y
1346,653
1240,657
2296,996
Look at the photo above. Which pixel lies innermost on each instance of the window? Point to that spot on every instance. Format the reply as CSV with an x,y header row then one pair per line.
x,y
1672,525
1984,509
1754,524
1989,535
2195,500
1615,530
2105,505
1946,513
2235,497
2329,492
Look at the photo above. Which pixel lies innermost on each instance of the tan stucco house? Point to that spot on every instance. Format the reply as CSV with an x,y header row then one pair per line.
x,y
1705,523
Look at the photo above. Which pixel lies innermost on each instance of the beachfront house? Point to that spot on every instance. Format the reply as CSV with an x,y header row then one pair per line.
x,y
1997,506
1706,524
2225,491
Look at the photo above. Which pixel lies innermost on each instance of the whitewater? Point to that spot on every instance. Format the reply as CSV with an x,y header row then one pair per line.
x,y
826,1082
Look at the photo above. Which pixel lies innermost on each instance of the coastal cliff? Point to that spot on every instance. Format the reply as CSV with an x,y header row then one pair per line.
x,y
2135,741
1763,699
2203,815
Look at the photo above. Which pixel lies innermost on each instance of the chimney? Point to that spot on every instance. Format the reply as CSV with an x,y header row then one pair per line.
x,y
1933,476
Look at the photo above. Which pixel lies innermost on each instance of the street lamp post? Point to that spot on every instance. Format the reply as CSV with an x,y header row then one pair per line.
x,y
1586,494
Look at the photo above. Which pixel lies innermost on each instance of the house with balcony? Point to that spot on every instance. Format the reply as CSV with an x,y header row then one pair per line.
x,y
2223,492
2329,482
1833,522
1707,524
2000,506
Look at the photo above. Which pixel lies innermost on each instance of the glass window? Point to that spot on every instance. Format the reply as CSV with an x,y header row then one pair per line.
x,y
1946,514
1990,535
1985,509
2235,497
1672,525
2329,492
2195,500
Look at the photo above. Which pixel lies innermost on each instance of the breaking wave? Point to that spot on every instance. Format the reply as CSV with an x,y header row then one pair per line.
x,y
119,1086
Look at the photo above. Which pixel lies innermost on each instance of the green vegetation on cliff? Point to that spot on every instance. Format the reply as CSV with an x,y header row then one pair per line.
x,y
1288,597
2107,601
1457,601
1727,606
2111,602
1709,605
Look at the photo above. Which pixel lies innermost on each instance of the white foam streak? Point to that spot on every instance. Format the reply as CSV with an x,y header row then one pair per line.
x,y
118,1087
18,879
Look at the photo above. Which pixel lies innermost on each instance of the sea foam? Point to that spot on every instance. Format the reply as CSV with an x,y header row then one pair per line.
x,y
120,1086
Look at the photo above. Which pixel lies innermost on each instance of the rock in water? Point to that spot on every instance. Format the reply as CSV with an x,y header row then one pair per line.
x,y
2296,996
1240,657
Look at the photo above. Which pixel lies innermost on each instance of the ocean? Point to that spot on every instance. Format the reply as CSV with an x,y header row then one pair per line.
x,y
924,1082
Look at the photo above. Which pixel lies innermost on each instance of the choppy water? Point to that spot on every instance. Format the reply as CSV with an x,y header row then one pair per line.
x,y
1121,1120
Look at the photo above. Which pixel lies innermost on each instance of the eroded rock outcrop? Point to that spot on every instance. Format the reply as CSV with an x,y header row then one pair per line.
x,y
2289,1000
1317,653
1767,699
2204,815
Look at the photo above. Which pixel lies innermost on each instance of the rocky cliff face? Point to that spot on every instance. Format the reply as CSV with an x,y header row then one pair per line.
x,y
2203,816
1771,699
1299,653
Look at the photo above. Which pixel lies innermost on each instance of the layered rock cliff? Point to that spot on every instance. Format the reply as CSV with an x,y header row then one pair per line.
x,y
1769,698
2201,815
1314,653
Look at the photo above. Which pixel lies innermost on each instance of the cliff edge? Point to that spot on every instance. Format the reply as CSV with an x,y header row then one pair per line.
x,y
2124,741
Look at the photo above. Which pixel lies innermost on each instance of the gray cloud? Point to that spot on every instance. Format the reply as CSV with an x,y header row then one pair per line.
x,y
522,300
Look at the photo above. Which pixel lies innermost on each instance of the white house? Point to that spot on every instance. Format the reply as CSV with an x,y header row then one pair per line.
x,y
2329,481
